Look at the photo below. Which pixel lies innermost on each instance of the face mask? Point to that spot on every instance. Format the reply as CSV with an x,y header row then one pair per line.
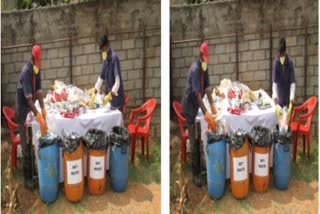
x,y
282,58
35,69
204,66
104,55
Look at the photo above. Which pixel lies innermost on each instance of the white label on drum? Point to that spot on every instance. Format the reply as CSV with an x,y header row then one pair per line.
x,y
74,171
97,167
240,168
261,164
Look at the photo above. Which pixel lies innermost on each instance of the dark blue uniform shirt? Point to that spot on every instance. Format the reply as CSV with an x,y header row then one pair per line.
x,y
283,76
28,84
109,69
197,81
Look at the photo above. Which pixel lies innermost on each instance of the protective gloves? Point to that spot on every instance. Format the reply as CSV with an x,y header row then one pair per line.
x,y
44,113
43,125
107,98
92,100
210,120
289,111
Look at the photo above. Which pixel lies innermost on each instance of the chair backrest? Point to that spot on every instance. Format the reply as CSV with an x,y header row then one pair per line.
x,y
181,120
311,104
9,115
126,100
149,107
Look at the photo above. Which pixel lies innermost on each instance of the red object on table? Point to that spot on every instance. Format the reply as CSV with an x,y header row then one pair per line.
x,y
15,139
236,111
69,114
232,94
183,132
302,126
62,96
137,129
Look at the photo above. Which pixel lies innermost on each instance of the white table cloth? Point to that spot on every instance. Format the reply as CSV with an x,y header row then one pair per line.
x,y
246,121
102,118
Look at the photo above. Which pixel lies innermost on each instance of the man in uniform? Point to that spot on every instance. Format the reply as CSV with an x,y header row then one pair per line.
x,y
196,86
110,72
283,78
28,90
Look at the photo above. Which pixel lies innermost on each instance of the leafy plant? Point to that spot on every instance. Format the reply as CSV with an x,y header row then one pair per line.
x,y
24,4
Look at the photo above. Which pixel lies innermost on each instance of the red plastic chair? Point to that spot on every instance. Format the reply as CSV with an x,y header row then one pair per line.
x,y
302,126
141,127
183,132
15,139
126,100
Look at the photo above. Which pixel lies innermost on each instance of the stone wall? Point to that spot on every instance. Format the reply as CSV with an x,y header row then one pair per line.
x,y
86,22
253,47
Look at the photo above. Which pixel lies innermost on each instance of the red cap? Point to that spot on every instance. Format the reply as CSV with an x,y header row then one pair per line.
x,y
36,53
204,51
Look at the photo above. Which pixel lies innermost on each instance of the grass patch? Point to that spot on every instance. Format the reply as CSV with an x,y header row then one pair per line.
x,y
305,169
147,171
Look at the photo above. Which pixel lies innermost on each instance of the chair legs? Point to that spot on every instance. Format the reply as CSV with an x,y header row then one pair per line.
x,y
304,144
142,145
306,140
308,144
183,151
295,145
147,142
144,141
133,148
13,155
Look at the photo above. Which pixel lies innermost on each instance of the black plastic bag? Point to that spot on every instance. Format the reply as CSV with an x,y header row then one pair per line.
x,y
119,136
70,142
261,136
237,138
48,140
213,137
96,139
282,138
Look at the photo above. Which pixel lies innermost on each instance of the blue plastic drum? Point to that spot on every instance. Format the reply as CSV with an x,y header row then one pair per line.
x,y
281,165
48,172
119,158
216,168
119,162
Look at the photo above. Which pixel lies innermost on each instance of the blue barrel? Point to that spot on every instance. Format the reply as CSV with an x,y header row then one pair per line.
x,y
216,168
281,165
48,172
119,160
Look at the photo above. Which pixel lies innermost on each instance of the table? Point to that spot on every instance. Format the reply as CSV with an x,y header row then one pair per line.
x,y
246,121
102,118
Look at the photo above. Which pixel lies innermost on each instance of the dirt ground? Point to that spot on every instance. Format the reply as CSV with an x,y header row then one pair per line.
x,y
140,197
301,196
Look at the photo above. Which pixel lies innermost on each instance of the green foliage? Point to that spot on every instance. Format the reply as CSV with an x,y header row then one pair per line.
x,y
24,4
305,169
144,170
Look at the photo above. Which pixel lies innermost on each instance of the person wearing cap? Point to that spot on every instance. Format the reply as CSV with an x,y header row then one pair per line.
x,y
28,90
283,78
110,72
197,85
